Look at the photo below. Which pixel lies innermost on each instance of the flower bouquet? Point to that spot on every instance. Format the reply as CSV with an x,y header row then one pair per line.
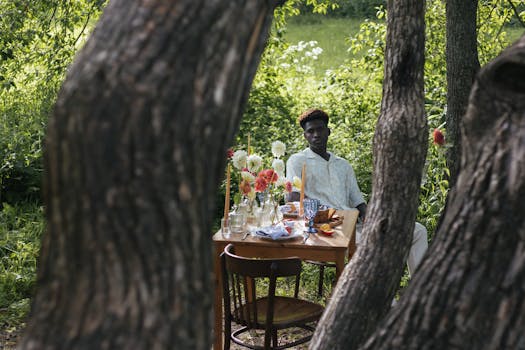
x,y
256,182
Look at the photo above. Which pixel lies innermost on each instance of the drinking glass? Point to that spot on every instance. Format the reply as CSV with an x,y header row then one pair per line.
x,y
225,228
237,222
311,206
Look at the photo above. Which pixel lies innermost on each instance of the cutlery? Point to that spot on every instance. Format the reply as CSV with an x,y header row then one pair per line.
x,y
306,236
245,235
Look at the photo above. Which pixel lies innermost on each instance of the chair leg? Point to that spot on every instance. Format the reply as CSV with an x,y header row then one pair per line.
x,y
321,281
268,338
274,338
227,334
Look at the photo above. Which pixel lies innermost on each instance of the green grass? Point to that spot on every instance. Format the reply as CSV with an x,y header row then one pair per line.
x,y
331,35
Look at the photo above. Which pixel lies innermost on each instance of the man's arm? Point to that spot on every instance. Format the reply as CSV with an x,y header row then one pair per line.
x,y
362,211
355,193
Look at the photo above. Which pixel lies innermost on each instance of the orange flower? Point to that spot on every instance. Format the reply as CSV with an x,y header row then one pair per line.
x,y
439,138
245,187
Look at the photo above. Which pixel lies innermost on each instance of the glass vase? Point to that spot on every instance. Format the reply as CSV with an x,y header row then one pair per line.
x,y
272,215
248,206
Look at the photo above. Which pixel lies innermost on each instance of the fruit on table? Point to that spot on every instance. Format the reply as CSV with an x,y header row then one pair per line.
x,y
325,227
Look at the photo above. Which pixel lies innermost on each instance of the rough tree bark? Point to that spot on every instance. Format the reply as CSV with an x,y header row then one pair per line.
x,y
368,284
462,66
469,293
133,159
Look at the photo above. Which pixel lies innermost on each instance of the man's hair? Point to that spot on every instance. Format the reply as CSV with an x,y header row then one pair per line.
x,y
312,114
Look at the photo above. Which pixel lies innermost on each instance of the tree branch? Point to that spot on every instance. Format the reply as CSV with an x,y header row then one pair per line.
x,y
516,13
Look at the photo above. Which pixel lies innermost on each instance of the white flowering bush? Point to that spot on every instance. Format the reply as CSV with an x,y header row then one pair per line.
x,y
301,57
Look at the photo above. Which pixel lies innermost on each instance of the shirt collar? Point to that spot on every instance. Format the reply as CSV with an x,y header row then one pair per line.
x,y
312,155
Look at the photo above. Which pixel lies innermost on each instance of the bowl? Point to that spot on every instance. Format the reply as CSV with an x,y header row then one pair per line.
x,y
327,233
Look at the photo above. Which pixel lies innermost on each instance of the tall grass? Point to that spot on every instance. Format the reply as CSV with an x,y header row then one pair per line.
x,y
21,227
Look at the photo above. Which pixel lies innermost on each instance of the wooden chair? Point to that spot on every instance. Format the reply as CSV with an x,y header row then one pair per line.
x,y
266,311
351,250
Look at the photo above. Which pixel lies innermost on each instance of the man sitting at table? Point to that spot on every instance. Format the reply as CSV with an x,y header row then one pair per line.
x,y
331,179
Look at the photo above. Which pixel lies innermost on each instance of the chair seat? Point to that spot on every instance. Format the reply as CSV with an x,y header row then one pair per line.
x,y
287,312
264,310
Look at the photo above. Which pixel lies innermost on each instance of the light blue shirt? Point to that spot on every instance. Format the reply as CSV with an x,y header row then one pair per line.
x,y
331,181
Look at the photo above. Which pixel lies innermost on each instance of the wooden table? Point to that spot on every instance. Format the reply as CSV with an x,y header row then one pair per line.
x,y
318,247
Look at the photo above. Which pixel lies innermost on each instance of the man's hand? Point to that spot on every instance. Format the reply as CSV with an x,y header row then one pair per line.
x,y
362,211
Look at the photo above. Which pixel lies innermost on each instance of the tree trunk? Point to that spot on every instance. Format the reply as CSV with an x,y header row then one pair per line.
x,y
134,156
469,292
368,284
462,66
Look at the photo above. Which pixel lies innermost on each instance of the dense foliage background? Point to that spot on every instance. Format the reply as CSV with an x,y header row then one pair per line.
x,y
341,73
38,40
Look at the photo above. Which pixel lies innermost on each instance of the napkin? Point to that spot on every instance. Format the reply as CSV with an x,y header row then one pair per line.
x,y
275,232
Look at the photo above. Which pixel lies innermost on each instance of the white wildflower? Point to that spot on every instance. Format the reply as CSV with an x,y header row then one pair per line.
x,y
239,159
278,149
297,183
278,166
246,175
254,163
281,181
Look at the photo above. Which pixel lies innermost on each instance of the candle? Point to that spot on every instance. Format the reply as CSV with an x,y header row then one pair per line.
x,y
248,150
303,182
227,198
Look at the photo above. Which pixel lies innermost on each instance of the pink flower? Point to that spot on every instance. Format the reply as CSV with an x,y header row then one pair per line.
x,y
270,175
439,138
288,186
260,183
248,170
229,153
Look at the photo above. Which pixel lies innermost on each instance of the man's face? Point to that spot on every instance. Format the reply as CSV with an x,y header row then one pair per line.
x,y
316,133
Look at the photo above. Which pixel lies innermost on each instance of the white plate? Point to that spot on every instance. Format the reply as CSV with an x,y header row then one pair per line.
x,y
285,210
294,234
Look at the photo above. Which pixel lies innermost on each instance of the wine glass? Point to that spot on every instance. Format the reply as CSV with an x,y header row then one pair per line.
x,y
311,206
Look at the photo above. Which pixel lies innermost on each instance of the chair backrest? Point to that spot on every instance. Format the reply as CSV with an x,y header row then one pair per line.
x,y
239,287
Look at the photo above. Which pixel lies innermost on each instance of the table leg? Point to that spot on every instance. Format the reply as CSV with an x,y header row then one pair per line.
x,y
217,345
339,264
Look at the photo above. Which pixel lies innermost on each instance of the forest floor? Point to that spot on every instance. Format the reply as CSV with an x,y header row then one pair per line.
x,y
9,338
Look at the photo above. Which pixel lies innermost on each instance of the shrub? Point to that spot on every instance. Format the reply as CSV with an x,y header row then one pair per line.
x,y
21,227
